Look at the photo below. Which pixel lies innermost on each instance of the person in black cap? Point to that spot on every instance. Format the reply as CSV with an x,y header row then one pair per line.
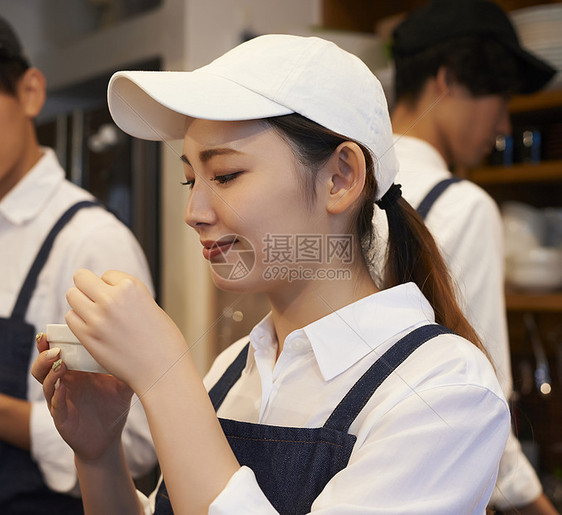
x,y
37,472
457,63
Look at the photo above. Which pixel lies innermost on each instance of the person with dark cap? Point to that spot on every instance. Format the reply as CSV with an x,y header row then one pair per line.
x,y
457,63
49,228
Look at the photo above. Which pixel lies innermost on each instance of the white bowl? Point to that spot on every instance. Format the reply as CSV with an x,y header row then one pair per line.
x,y
72,352
537,269
524,227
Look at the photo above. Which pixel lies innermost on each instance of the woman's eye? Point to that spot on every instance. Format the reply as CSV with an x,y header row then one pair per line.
x,y
223,179
189,183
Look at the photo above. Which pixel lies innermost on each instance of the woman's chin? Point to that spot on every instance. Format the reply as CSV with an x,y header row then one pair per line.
x,y
253,282
228,283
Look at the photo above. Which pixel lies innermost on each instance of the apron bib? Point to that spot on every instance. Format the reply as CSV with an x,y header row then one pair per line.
x,y
22,489
292,465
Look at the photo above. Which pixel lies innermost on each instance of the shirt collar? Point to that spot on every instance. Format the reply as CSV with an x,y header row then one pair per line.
x,y
420,150
263,333
28,197
342,338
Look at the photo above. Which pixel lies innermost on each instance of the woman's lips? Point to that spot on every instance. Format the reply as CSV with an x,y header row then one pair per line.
x,y
213,249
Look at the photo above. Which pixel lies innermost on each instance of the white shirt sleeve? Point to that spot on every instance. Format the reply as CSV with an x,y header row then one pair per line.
x,y
242,490
54,456
517,483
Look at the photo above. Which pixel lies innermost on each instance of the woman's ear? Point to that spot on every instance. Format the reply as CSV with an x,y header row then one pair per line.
x,y
32,92
346,177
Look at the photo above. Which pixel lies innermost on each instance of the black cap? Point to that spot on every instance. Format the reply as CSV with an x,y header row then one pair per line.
x,y
445,20
10,46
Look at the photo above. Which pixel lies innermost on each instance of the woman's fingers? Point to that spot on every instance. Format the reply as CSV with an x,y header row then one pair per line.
x,y
113,277
105,292
49,369
75,322
90,285
44,362
78,301
41,341
57,405
54,391
89,293
125,281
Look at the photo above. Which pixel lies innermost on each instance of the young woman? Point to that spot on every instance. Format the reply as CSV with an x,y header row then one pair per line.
x,y
348,397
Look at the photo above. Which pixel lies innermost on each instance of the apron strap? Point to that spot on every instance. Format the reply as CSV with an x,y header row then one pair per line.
x,y
354,401
24,297
433,194
218,392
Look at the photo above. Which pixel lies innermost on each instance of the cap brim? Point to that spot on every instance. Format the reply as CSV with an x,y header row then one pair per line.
x,y
154,105
535,72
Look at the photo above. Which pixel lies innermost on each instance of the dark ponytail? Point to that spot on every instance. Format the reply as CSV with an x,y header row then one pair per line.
x,y
412,255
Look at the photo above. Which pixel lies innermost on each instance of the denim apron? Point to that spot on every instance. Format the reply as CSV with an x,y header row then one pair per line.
x,y
434,193
22,489
293,464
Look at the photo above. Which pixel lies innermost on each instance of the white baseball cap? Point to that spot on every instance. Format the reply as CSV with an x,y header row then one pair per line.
x,y
270,75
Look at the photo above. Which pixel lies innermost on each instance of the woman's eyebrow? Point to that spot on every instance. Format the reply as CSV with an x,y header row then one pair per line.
x,y
206,155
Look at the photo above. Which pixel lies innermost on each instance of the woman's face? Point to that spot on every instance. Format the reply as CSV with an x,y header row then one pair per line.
x,y
247,203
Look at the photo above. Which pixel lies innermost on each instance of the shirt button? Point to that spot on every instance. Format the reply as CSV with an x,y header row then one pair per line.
x,y
298,345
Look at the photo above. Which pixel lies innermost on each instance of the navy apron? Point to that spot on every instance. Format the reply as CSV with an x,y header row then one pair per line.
x,y
293,464
22,489
433,194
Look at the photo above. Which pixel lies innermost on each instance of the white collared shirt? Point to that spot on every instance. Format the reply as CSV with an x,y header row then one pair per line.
x,y
467,227
93,239
428,441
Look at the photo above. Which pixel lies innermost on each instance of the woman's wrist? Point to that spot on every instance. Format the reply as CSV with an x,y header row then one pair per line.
x,y
108,459
106,483
193,452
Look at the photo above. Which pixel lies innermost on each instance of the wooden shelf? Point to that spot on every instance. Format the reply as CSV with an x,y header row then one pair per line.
x,y
363,15
534,302
546,171
536,102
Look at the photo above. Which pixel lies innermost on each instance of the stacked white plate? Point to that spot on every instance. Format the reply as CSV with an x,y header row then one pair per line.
x,y
540,31
533,247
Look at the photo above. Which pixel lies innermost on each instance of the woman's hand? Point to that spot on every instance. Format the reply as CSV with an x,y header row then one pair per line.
x,y
118,321
89,410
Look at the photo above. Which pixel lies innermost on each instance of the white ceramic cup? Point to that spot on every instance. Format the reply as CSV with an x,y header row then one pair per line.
x,y
72,352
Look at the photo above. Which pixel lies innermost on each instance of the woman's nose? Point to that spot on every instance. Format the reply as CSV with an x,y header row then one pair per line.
x,y
199,209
